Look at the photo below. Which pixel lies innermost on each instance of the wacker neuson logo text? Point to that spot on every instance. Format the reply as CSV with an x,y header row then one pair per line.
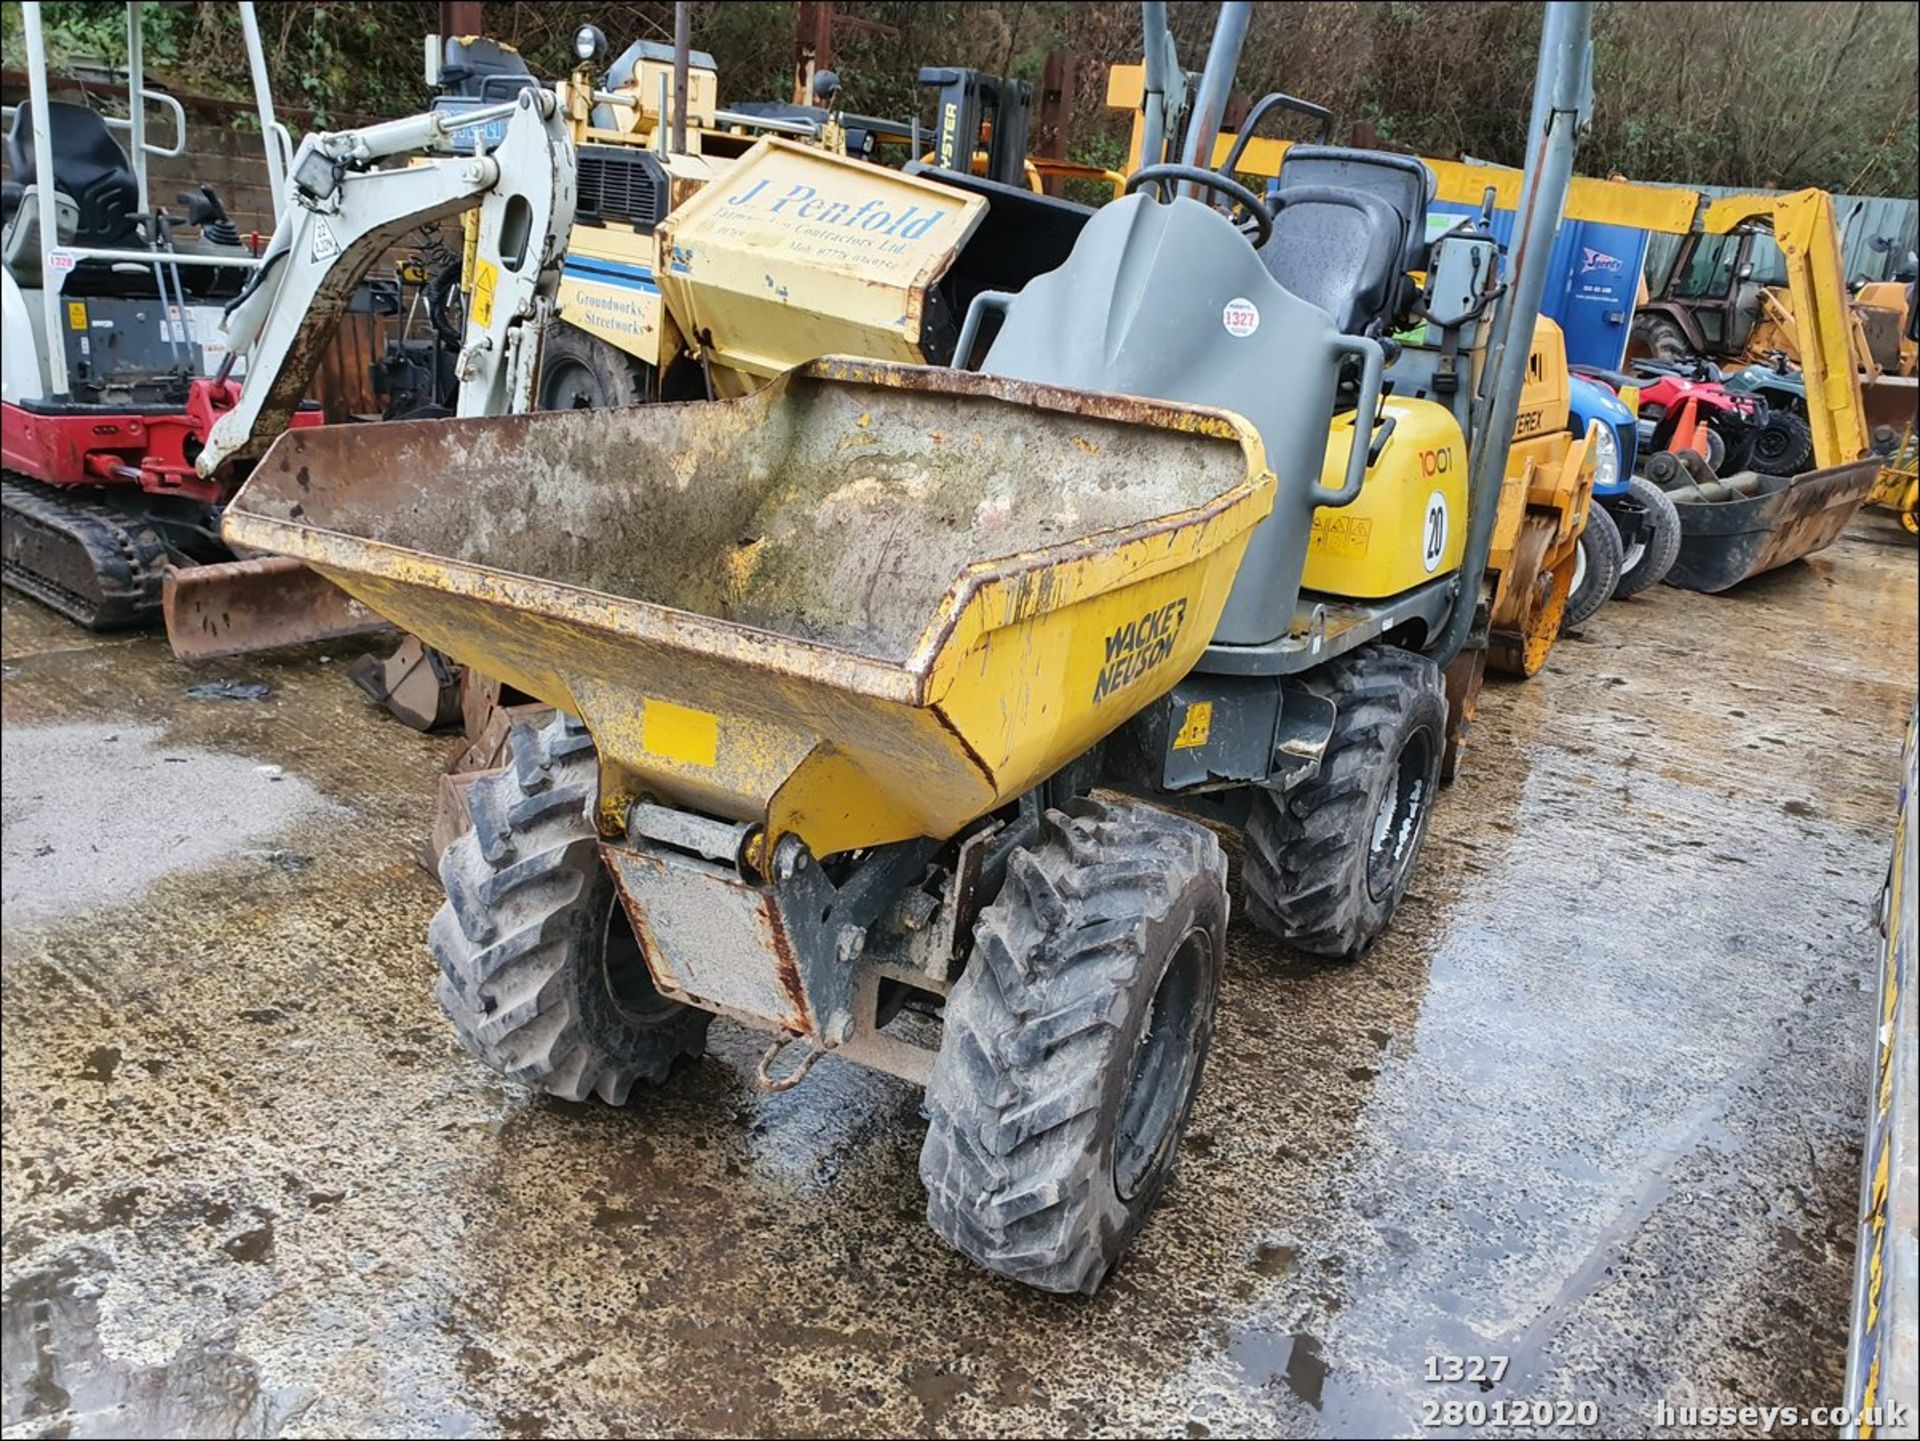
x,y
1138,646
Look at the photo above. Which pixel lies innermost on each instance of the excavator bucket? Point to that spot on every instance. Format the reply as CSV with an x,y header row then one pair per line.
x,y
1734,529
865,603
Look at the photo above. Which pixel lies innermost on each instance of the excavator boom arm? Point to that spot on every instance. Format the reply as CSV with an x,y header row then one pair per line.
x,y
1824,324
342,215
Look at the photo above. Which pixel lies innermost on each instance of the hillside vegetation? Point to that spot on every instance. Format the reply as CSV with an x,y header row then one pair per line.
x,y
1706,92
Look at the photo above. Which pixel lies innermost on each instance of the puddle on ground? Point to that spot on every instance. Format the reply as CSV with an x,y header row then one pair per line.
x,y
94,814
1625,984
58,1379
1293,1359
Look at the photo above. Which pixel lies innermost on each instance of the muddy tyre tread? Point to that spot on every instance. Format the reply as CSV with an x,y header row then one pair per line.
x,y
1663,547
525,888
1659,338
1303,879
1605,556
1021,1101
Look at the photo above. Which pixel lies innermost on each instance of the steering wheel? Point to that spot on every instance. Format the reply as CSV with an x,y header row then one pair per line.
x,y
1226,185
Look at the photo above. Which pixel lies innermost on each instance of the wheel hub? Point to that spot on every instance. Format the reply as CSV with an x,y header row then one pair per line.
x,y
1164,1059
625,974
569,385
1396,823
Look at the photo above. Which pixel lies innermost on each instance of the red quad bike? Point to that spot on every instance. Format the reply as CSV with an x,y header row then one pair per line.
x,y
1687,406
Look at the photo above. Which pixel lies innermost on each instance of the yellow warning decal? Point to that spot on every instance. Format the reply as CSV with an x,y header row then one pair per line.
x,y
1346,536
486,275
1197,726
76,315
680,733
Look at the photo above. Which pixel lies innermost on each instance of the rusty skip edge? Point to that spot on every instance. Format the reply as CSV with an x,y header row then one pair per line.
x,y
348,555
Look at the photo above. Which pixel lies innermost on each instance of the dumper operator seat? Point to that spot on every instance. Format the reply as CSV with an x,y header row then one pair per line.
x,y
1351,257
95,189
1338,248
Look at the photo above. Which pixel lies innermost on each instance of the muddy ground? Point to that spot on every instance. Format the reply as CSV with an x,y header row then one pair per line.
x,y
1592,1105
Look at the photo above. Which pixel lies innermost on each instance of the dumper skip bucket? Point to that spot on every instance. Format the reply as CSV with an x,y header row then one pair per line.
x,y
865,603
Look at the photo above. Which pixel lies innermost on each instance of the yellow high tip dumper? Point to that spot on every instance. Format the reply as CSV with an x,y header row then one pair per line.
x,y
852,670
864,603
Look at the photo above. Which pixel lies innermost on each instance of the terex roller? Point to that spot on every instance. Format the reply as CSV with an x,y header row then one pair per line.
x,y
838,662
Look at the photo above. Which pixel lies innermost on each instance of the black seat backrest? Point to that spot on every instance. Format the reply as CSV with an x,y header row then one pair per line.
x,y
476,68
1025,233
1402,181
89,167
1339,249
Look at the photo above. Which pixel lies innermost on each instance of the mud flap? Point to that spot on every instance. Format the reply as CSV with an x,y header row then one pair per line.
x,y
1463,676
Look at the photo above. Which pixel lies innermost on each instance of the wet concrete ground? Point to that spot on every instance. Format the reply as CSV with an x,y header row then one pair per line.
x,y
1592,1106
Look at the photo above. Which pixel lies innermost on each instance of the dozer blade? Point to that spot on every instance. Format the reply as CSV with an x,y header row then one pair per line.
x,y
96,563
241,607
1748,524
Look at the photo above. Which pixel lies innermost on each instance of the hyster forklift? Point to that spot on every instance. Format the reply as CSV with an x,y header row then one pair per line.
x,y
838,662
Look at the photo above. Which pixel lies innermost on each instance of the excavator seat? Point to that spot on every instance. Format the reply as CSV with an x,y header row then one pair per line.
x,y
88,166
96,198
476,68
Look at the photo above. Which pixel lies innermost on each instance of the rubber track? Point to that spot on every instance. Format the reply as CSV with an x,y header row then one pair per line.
x,y
126,556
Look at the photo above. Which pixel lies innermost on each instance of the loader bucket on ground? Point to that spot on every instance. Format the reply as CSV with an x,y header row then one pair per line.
x,y
1726,541
865,603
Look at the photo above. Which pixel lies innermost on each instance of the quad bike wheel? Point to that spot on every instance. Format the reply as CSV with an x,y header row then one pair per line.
x,y
540,971
579,371
1716,444
1074,1044
1736,444
1596,569
1328,861
1783,446
1656,542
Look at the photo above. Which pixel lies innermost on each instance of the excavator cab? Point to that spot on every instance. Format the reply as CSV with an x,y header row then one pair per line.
x,y
112,311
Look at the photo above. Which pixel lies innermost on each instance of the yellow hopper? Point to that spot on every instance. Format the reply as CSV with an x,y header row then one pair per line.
x,y
866,603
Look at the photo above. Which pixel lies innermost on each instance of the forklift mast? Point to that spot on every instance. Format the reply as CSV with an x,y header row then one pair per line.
x,y
971,101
